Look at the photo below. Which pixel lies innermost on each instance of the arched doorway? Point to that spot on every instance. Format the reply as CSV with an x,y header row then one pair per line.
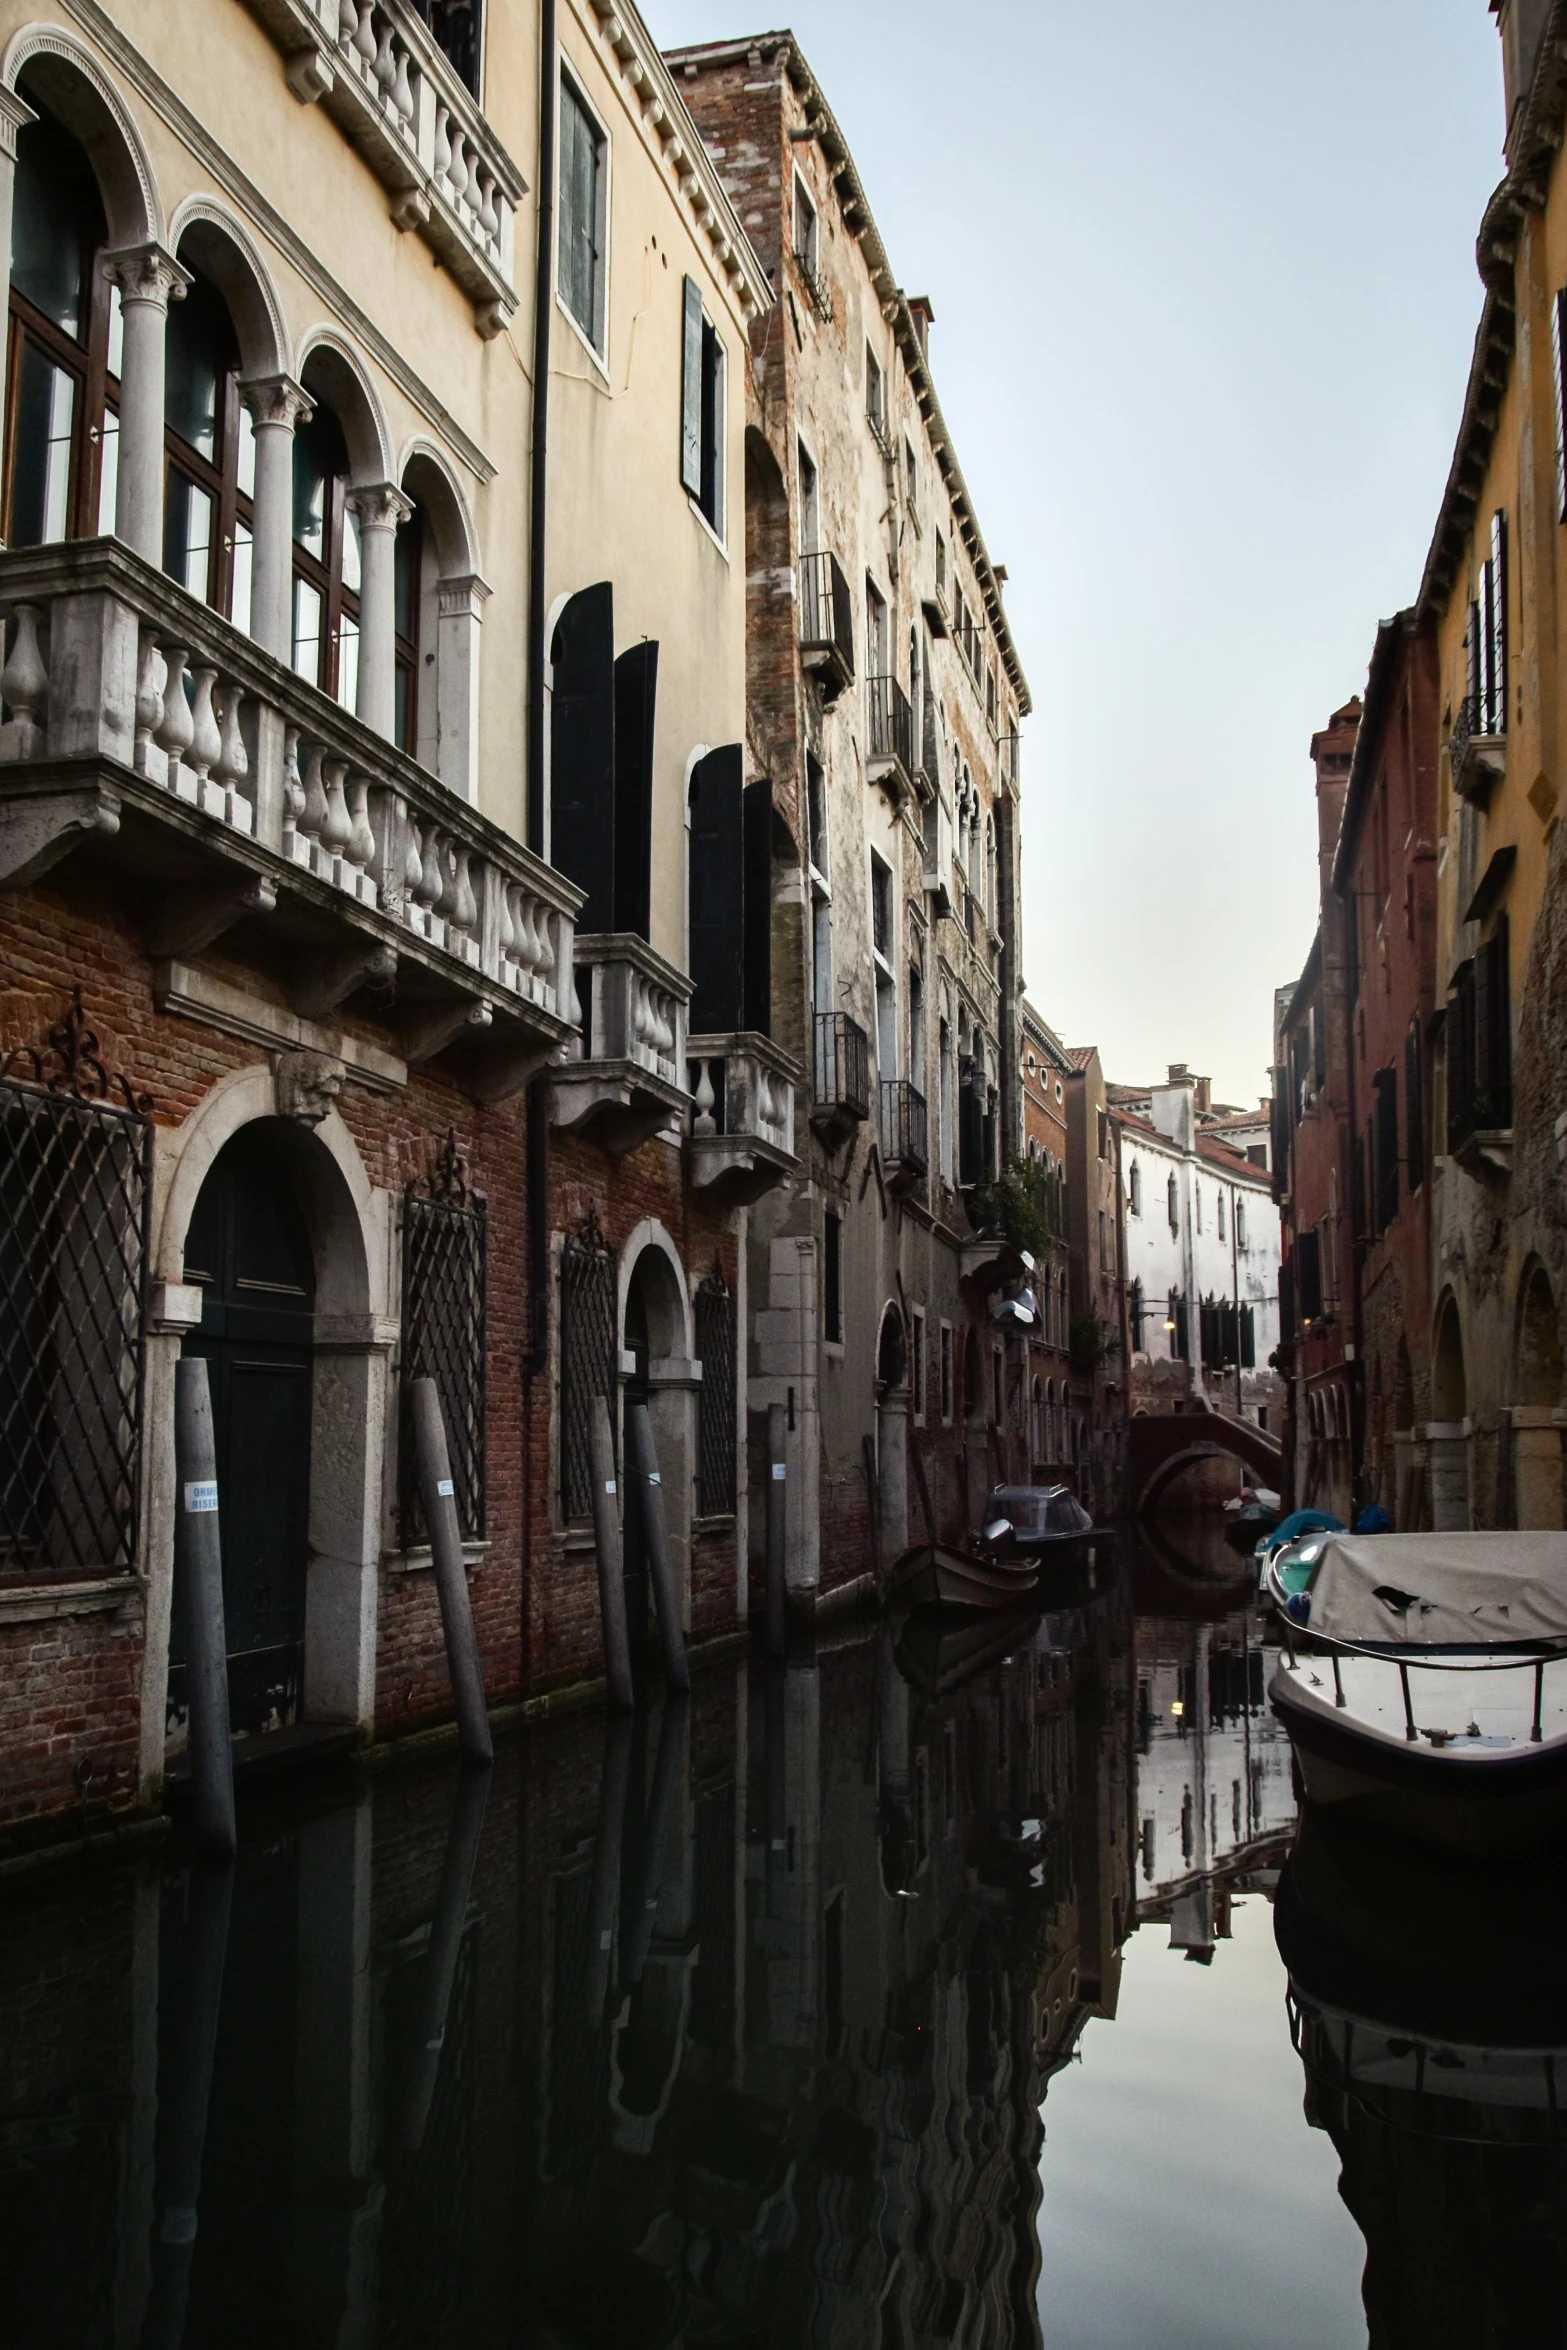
x,y
892,1433
1449,1434
248,1251
654,1336
1537,1441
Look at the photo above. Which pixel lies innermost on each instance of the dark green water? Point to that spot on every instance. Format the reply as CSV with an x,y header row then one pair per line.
x,y
895,1999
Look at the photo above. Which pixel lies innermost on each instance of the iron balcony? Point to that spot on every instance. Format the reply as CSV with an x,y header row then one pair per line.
x,y
826,623
1477,747
891,762
904,1128
842,1075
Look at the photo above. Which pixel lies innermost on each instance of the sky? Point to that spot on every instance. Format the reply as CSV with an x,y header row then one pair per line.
x,y
1205,295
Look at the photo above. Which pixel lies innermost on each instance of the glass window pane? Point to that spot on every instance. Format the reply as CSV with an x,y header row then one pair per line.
x,y
56,224
116,356
405,582
400,716
579,174
245,454
351,551
109,474
307,631
239,582
199,350
41,478
312,472
187,534
348,663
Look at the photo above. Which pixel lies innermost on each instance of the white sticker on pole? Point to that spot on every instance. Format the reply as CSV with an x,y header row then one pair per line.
x,y
202,1496
779,1472
654,1478
445,1488
609,1485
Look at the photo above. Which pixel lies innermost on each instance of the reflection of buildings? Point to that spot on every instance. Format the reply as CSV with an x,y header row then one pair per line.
x,y
731,2025
1213,1770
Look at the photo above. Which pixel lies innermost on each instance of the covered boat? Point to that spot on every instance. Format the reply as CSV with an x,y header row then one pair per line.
x,y
1425,1683
939,1574
1037,1520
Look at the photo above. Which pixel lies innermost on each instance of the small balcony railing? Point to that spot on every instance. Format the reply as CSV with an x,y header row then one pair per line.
x,y
742,1125
826,622
389,83
1477,747
904,1124
245,801
624,1074
892,733
842,1077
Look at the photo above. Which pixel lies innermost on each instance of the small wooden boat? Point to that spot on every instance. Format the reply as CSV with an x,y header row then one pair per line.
x,y
1034,1521
1424,1686
937,1574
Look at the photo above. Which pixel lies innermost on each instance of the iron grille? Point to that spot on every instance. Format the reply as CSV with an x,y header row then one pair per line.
x,y
75,1173
587,1358
715,1343
444,1252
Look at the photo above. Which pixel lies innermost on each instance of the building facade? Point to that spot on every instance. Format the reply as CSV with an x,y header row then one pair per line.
x,y
884,700
1097,1333
1044,1068
1201,1248
343,822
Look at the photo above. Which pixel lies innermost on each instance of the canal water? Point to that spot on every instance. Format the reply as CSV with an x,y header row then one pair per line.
x,y
925,1991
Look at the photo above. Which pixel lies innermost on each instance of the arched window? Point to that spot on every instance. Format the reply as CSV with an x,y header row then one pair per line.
x,y
1173,1205
326,560
407,603
1135,1190
1135,1316
210,455
63,356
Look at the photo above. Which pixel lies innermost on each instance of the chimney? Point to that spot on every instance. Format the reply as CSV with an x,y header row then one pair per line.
x,y
1204,1087
919,304
1178,1073
1172,1108
1521,24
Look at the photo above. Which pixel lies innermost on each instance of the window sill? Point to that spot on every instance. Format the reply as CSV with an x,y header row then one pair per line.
x,y
420,1560
43,1603
834,1349
600,359
696,509
723,1523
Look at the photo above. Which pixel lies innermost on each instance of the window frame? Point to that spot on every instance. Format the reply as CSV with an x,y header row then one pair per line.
x,y
917,1363
325,577
595,340
807,251
832,1280
219,481
944,1363
708,494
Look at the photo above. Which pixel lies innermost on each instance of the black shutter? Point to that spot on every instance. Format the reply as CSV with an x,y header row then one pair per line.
x,y
1493,1034
1459,1032
1414,1107
1386,1082
1248,1339
691,391
636,695
758,907
1308,1275
1281,1126
717,894
582,752
971,1128
1287,1298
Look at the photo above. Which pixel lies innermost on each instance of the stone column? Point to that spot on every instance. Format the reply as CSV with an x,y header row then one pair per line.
x,y
15,115
380,507
892,1471
149,279
460,619
1537,1466
277,405
1448,1442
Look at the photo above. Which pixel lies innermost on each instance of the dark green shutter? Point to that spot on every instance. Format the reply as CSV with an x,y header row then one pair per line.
x,y
717,899
691,391
636,695
582,752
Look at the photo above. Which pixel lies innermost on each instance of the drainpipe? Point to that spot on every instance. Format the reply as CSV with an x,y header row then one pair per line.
x,y
543,294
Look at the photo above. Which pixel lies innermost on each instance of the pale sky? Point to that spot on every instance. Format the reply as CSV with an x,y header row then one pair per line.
x,y
1203,274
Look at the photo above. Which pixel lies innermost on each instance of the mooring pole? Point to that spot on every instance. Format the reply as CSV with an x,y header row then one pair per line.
x,y
184,2094
433,2005
608,1847
777,1526
437,1494
648,1486
606,1545
199,1559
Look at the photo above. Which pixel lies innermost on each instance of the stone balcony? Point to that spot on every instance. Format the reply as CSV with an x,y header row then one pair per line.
x,y
388,84
145,736
742,1130
624,1077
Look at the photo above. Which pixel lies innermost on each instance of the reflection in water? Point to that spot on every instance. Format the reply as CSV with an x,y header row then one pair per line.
x,y
729,2023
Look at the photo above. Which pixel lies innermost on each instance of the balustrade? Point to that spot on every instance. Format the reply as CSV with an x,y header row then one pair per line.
x,y
108,663
382,74
625,1076
742,1127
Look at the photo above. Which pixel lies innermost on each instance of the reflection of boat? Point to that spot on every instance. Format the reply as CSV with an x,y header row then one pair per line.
x,y
938,1652
937,1574
1440,1706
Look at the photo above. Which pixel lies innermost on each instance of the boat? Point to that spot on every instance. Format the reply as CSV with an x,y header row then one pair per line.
x,y
1253,1516
939,1574
1034,1521
1424,1682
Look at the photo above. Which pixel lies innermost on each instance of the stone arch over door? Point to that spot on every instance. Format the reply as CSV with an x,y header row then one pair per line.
x,y
349,1225
1448,1430
1537,1392
658,1368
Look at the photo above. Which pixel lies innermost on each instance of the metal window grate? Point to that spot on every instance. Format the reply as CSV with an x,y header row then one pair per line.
x,y
444,1261
587,1357
74,1184
715,1343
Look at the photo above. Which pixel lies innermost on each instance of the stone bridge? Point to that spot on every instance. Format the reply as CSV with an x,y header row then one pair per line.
x,y
1159,1445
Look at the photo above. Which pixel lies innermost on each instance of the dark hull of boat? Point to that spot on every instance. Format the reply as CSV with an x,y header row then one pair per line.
x,y
935,1575
1467,1804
